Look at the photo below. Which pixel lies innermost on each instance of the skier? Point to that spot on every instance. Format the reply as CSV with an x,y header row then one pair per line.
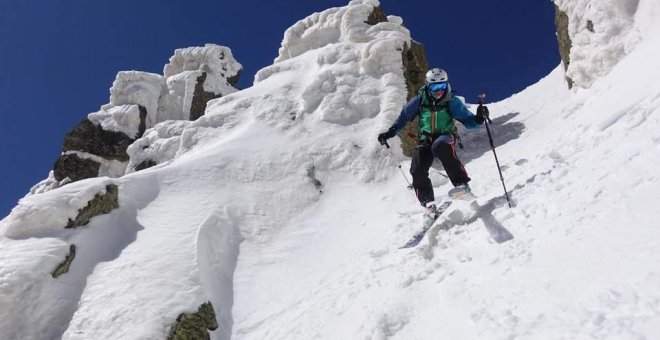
x,y
436,107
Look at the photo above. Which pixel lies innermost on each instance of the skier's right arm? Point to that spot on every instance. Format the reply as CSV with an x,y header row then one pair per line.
x,y
407,114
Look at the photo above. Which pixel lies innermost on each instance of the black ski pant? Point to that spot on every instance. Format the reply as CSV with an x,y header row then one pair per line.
x,y
442,147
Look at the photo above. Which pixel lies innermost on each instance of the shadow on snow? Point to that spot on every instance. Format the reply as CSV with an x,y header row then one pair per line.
x,y
476,143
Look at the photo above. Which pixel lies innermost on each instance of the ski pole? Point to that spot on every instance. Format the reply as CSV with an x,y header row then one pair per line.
x,y
492,147
405,177
402,173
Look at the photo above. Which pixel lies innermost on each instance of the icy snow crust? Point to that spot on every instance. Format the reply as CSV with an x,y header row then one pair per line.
x,y
235,215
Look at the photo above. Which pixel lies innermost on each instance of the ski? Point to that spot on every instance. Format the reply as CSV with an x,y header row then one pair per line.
x,y
428,223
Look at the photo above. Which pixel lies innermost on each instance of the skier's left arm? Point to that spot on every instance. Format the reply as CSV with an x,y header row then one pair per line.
x,y
463,115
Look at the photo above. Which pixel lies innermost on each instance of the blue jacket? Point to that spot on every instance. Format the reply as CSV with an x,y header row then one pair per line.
x,y
456,108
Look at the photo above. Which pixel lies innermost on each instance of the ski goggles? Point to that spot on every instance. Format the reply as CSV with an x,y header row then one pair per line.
x,y
435,87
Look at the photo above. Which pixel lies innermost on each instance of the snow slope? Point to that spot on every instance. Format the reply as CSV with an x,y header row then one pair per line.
x,y
280,208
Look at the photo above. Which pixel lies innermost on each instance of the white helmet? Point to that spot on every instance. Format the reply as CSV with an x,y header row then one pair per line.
x,y
436,75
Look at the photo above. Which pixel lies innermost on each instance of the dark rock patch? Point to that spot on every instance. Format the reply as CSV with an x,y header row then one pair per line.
x,y
145,165
590,26
75,168
191,326
63,267
99,205
233,80
564,40
90,138
415,66
200,98
376,16
143,121
311,173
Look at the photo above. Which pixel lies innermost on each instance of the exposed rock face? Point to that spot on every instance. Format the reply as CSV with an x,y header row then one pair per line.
x,y
63,268
143,121
200,98
145,165
234,79
564,40
590,26
99,205
595,35
90,138
195,325
75,168
415,66
139,101
376,16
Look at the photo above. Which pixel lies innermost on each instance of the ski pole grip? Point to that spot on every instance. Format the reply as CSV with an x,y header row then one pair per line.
x,y
481,98
387,145
481,102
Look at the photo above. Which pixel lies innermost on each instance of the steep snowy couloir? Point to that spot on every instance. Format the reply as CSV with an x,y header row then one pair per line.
x,y
279,207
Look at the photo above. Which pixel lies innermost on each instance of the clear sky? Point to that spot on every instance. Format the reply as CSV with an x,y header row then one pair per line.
x,y
58,58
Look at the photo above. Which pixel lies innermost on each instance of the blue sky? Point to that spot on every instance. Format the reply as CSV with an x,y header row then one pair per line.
x,y
58,58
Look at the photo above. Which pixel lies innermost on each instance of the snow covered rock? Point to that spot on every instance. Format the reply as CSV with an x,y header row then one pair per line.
x,y
357,63
594,35
102,203
564,40
90,151
196,75
131,88
216,60
70,207
159,144
131,120
140,100
322,29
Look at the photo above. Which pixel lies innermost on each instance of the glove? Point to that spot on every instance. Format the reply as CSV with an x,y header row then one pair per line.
x,y
383,137
482,114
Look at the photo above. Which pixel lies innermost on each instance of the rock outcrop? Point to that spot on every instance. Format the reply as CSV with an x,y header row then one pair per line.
x,y
97,146
72,168
194,325
71,206
591,43
63,267
564,40
376,16
200,98
415,66
101,204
